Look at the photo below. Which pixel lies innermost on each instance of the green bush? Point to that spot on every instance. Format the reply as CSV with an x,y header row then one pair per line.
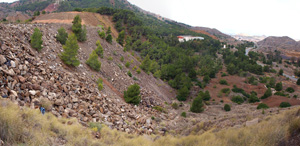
x,y
290,90
62,36
99,50
100,84
183,114
225,90
183,93
101,34
127,64
280,94
160,109
284,104
262,106
223,82
121,37
77,29
267,94
157,74
223,75
227,107
68,56
93,61
253,98
36,40
132,95
175,105
122,59
278,86
109,38
298,81
129,73
237,99
138,70
197,105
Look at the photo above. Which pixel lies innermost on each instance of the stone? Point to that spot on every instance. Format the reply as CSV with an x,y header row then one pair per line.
x,y
13,64
101,110
22,79
32,92
58,102
8,72
2,59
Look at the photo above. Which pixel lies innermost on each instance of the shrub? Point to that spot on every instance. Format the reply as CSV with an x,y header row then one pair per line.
x,y
138,70
223,82
267,94
223,75
280,94
175,105
68,56
284,104
100,84
157,74
197,105
278,86
122,59
110,58
132,95
101,34
134,68
280,72
262,106
93,61
298,81
127,64
129,73
160,109
253,98
183,94
237,99
36,40
226,91
206,79
109,38
183,114
290,90
227,107
62,36
95,126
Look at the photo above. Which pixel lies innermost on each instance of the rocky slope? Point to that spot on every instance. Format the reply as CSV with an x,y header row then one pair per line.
x,y
29,78
273,43
221,36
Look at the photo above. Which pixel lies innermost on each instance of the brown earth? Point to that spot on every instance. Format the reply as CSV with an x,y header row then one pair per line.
x,y
51,7
88,18
206,33
274,101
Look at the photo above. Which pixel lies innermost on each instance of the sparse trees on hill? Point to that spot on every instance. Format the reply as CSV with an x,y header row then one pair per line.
x,y
36,40
197,105
132,95
93,61
77,29
62,36
68,56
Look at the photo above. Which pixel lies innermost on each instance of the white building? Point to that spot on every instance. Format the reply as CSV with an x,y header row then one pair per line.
x,y
184,38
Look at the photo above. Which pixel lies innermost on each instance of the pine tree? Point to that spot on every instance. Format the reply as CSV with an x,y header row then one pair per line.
x,y
62,36
82,36
183,94
132,95
278,86
197,105
36,40
108,31
298,82
99,49
121,37
68,56
76,27
109,38
93,61
146,64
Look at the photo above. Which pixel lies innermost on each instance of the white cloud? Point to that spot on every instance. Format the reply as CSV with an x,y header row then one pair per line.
x,y
253,17
8,1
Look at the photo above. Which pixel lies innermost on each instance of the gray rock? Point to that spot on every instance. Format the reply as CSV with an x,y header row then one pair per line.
x,y
2,59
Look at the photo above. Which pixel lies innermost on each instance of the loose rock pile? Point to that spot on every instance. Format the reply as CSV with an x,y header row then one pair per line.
x,y
34,79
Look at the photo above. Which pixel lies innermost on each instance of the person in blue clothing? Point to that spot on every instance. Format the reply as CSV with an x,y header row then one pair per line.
x,y
42,110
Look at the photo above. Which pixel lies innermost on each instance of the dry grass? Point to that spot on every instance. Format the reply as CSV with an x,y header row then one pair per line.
x,y
29,127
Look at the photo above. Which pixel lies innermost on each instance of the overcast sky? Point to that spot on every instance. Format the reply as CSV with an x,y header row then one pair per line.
x,y
251,17
9,1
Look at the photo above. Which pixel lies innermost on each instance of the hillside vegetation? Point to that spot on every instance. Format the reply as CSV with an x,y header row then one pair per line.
x,y
30,127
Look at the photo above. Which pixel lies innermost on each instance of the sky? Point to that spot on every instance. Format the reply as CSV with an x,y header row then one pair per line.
x,y
250,17
8,1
